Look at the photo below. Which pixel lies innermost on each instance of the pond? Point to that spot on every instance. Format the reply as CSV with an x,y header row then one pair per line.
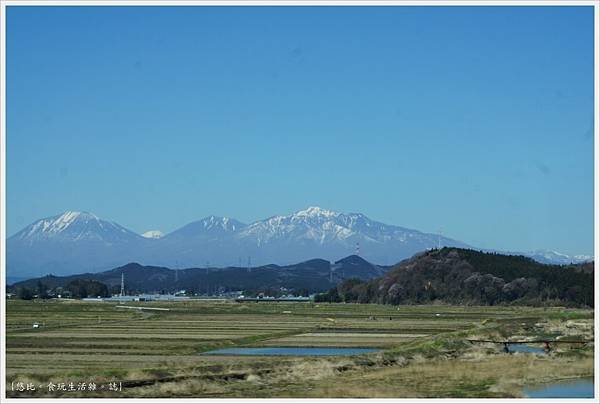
x,y
577,388
291,351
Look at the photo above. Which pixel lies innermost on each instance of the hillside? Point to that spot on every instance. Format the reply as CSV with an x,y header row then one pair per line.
x,y
313,276
461,276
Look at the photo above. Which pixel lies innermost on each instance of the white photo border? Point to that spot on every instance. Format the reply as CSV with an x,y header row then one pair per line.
x,y
282,3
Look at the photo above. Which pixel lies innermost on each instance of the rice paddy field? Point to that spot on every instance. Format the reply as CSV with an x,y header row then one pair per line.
x,y
424,350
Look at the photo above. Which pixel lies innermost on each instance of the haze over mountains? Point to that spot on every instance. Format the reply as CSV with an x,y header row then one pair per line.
x,y
76,242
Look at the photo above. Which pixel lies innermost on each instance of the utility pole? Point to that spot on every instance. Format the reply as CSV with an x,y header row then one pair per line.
x,y
122,284
206,276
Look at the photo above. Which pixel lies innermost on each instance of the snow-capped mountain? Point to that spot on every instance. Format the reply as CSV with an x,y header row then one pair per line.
x,y
153,234
68,243
209,227
553,257
76,242
547,256
75,227
207,240
330,235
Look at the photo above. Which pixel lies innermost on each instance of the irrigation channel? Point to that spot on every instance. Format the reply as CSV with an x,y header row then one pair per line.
x,y
577,388
292,351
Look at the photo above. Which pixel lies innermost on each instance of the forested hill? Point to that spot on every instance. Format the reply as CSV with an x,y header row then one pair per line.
x,y
316,275
461,276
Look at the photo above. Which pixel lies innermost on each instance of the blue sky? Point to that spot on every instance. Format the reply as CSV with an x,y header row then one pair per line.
x,y
476,120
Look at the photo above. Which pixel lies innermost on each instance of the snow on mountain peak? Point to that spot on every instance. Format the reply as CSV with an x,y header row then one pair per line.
x,y
57,224
555,257
307,233
221,222
72,215
314,211
63,221
69,215
313,224
152,234
75,226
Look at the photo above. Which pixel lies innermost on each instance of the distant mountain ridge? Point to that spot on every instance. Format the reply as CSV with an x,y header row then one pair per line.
x,y
312,275
75,242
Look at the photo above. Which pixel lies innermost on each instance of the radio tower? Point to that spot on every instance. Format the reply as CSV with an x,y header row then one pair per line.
x,y
122,284
440,238
357,249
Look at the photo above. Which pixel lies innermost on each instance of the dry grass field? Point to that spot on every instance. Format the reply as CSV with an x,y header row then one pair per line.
x,y
159,353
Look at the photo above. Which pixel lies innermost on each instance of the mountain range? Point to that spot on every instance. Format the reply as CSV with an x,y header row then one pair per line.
x,y
313,275
75,242
447,275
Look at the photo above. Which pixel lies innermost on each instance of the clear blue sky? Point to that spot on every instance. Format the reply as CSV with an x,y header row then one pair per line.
x,y
478,120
